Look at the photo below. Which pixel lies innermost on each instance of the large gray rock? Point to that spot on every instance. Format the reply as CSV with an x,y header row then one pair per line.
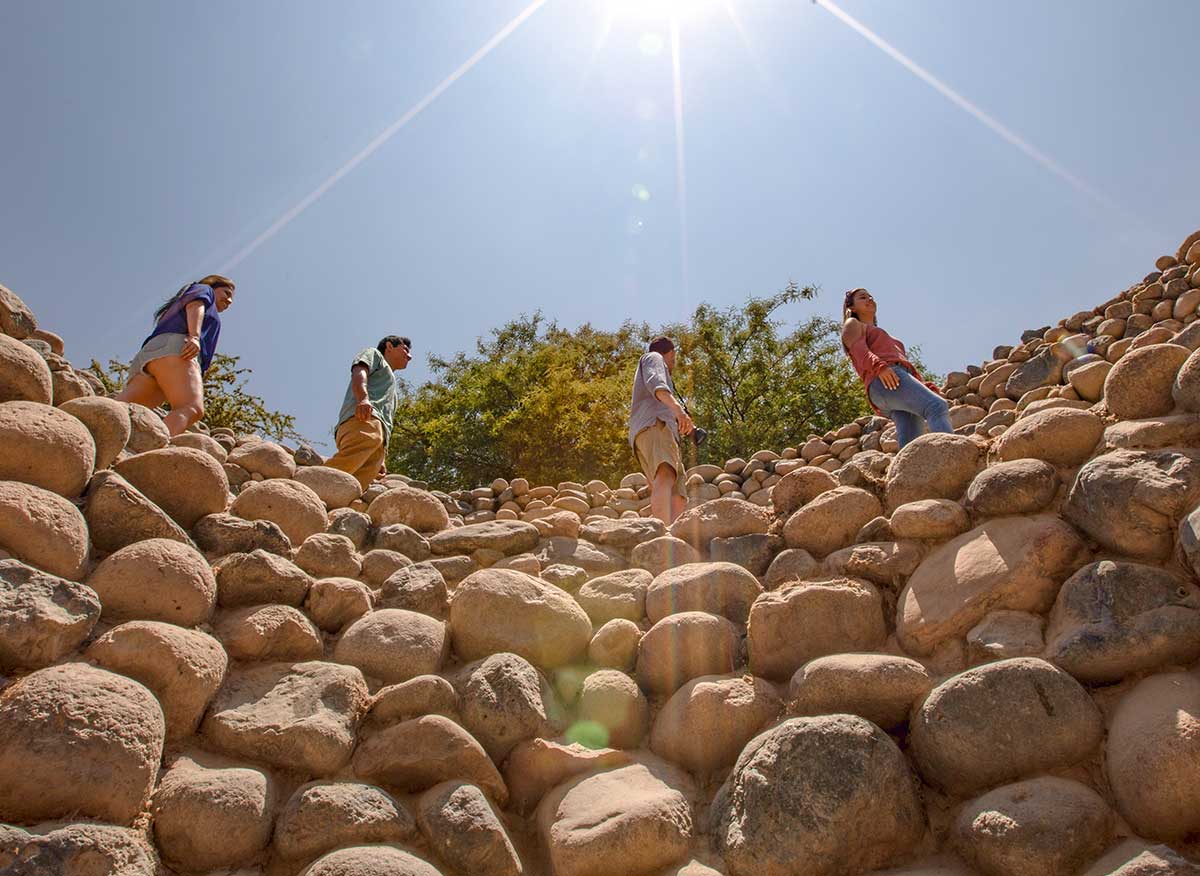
x,y
1042,369
1002,721
295,716
53,762
118,515
1023,486
594,559
1114,619
1131,500
221,534
505,700
827,796
1014,563
258,578
419,587
42,617
1046,825
464,830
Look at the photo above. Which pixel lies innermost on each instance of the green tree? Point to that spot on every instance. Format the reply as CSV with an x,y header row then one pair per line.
x,y
756,383
227,402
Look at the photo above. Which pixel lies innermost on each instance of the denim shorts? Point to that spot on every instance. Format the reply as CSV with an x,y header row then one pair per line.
x,y
158,347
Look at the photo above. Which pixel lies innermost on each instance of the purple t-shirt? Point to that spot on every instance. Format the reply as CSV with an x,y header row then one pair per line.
x,y
174,321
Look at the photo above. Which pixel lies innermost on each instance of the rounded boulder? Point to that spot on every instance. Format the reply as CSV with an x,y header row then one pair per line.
x,y
108,422
370,860
831,520
46,447
1139,384
337,489
613,701
879,687
321,816
706,723
800,487
24,375
684,646
1023,486
157,579
1059,436
264,458
821,796
186,483
296,509
393,645
497,610
724,589
53,762
936,465
43,529
410,506
1000,722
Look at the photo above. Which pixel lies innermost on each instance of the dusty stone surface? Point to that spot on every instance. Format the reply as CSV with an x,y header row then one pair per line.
x,y
622,534
799,622
418,754
506,536
800,487
505,700
464,830
259,577
53,761
662,553
333,603
295,716
265,458
932,519
593,559
188,484
423,695
879,687
705,724
611,699
371,860
1060,436
118,515
887,563
1003,634
157,579
43,617
325,555
1014,563
684,646
45,446
933,466
615,645
43,529
24,375
840,768
1153,756
393,645
791,564
79,850
418,587
638,814
724,589
1113,619
416,508
1023,486
320,816
1043,825
497,610
147,431
296,509
1139,385
753,552
222,534
182,668
719,517
538,765
1135,857
1130,500
619,595
831,520
210,814
1003,721
269,633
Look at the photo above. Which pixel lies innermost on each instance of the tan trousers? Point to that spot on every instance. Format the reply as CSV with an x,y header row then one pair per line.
x,y
360,449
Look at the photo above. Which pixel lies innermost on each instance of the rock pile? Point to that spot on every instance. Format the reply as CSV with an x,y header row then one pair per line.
x,y
978,655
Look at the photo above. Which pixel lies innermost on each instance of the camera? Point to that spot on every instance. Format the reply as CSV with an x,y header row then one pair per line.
x,y
699,435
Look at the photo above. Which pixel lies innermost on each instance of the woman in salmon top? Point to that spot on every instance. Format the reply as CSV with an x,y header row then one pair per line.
x,y
894,387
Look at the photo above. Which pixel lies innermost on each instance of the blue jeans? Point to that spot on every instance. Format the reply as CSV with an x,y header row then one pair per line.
x,y
910,405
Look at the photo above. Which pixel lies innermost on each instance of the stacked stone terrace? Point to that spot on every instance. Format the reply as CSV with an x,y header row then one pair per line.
x,y
978,655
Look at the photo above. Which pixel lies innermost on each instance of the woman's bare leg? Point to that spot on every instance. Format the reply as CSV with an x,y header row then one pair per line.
x,y
183,386
142,390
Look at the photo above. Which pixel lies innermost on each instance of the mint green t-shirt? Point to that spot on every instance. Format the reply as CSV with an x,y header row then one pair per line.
x,y
381,390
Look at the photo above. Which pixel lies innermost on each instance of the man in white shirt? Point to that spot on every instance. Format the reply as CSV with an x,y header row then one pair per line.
x,y
656,422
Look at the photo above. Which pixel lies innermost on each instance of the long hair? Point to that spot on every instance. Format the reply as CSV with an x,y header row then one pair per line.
x,y
847,312
213,280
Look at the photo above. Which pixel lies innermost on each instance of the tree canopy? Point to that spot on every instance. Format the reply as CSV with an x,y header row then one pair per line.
x,y
550,404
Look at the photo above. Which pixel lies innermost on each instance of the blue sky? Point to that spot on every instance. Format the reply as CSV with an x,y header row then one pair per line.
x,y
146,143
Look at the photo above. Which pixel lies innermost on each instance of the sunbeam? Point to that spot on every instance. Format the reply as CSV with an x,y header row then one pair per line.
x,y
680,175
978,114
387,134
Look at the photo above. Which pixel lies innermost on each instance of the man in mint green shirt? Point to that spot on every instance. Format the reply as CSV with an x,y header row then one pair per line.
x,y
365,420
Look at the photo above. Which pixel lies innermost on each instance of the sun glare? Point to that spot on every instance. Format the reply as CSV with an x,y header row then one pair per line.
x,y
660,10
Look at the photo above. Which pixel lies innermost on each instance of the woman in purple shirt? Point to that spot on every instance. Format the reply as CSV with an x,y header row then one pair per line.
x,y
171,364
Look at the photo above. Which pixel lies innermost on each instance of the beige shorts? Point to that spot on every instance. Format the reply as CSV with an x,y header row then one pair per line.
x,y
158,347
655,445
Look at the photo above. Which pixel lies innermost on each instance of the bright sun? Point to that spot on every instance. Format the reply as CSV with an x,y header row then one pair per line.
x,y
661,9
